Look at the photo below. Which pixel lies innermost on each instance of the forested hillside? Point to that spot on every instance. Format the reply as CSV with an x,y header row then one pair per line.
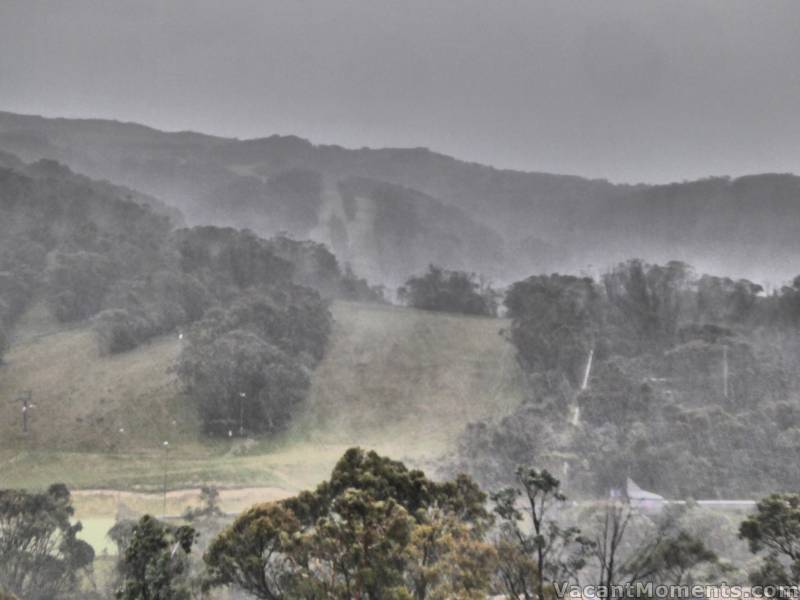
x,y
162,356
689,372
254,313
686,383
503,223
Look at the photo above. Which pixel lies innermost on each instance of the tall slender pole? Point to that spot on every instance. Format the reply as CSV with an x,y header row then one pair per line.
x,y
166,461
25,398
119,492
242,396
25,406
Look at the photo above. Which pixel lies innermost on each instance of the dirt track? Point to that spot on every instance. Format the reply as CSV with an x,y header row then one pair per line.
x,y
110,502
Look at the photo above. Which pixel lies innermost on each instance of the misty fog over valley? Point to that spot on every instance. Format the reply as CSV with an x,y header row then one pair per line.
x,y
362,301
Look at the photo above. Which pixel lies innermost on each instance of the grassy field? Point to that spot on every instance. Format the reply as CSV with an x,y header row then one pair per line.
x,y
401,381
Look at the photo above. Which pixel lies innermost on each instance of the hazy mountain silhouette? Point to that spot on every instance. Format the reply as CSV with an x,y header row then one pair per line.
x,y
391,211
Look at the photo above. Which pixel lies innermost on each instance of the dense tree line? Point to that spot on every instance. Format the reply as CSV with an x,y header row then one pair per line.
x,y
254,311
64,239
443,290
210,267
554,321
691,388
67,240
377,529
85,246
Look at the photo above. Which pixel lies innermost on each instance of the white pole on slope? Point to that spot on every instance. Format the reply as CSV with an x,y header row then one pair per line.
x,y
576,415
166,463
588,371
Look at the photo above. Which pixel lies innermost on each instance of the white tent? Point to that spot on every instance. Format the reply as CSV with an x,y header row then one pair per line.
x,y
642,498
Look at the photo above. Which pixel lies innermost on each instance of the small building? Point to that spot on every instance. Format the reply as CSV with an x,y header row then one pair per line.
x,y
642,499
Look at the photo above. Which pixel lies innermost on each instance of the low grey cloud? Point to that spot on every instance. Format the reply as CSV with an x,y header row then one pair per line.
x,y
627,90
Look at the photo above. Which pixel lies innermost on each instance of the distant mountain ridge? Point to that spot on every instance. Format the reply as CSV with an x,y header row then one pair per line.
x,y
431,207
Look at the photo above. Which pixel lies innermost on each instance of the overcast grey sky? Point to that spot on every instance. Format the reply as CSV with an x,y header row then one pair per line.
x,y
626,90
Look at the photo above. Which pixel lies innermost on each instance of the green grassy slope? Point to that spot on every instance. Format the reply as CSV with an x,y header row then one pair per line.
x,y
401,381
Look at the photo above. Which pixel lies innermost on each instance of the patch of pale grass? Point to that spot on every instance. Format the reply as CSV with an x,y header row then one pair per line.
x,y
400,381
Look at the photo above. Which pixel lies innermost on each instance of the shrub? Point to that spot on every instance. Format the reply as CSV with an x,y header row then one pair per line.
x,y
117,331
449,291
